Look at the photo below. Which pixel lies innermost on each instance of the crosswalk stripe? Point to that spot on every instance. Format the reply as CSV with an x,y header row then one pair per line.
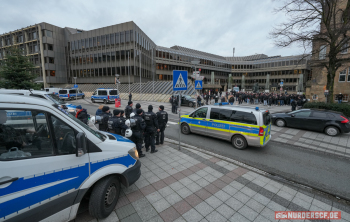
x,y
172,123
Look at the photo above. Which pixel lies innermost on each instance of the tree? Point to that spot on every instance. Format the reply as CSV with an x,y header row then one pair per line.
x,y
16,70
321,27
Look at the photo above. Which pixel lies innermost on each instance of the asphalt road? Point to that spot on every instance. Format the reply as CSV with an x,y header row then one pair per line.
x,y
324,172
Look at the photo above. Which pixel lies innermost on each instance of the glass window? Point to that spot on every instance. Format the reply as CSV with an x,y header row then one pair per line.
x,y
319,115
103,40
243,117
342,76
113,92
98,40
112,38
72,91
344,48
90,42
131,36
102,93
302,114
122,37
127,36
64,136
48,33
323,52
201,113
94,41
107,40
86,43
117,38
214,113
24,134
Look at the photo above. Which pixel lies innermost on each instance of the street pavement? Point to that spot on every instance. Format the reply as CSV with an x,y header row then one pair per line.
x,y
193,184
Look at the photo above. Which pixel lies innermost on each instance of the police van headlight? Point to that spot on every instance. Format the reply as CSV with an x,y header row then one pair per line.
x,y
133,152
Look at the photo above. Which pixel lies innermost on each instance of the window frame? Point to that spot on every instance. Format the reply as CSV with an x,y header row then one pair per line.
x,y
342,74
323,52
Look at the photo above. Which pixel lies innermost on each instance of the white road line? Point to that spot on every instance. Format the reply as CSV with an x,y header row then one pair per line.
x,y
172,123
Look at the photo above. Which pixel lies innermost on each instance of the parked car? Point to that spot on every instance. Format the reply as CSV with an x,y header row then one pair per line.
x,y
186,100
330,122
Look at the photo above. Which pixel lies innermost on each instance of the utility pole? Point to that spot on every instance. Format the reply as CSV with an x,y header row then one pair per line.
x,y
128,72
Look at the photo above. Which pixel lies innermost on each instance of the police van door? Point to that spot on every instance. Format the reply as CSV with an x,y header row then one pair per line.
x,y
40,173
219,123
199,120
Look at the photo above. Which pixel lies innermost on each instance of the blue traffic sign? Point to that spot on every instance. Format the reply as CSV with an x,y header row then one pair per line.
x,y
179,80
198,84
75,86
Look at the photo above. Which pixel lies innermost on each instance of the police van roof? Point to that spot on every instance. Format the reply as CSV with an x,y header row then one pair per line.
x,y
19,99
238,108
106,88
23,91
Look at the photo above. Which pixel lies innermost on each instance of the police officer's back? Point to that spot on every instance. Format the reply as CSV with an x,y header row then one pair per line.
x,y
137,131
103,126
138,107
122,117
151,129
128,109
162,118
116,124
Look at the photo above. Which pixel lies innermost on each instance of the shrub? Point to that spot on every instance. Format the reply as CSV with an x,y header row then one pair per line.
x,y
344,108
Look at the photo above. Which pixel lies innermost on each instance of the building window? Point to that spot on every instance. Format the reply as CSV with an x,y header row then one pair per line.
x,y
34,35
48,33
52,73
94,40
322,53
315,97
342,76
36,48
50,47
344,48
51,60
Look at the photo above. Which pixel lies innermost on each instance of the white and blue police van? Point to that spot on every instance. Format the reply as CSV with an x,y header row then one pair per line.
x,y
41,94
53,90
50,161
105,95
69,94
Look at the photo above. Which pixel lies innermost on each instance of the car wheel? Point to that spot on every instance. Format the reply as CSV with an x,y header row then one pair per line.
x,y
332,131
105,101
280,122
190,104
104,197
239,142
185,129
92,100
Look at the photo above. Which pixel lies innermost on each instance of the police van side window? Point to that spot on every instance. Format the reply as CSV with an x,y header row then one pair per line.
x,y
102,93
214,113
24,134
64,136
201,113
243,117
95,93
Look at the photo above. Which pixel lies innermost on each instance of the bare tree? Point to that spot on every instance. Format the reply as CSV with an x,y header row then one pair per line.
x,y
321,27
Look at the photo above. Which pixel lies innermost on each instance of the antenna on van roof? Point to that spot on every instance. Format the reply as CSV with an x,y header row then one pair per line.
x,y
30,90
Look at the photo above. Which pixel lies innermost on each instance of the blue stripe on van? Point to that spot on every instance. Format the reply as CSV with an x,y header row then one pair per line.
x,y
126,160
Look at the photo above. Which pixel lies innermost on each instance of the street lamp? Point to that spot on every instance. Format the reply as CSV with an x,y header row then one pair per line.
x,y
139,51
117,81
195,62
75,83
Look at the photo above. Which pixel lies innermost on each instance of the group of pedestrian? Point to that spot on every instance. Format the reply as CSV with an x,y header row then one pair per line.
x,y
148,128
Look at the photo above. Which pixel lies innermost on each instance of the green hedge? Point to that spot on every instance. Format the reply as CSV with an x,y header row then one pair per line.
x,y
344,108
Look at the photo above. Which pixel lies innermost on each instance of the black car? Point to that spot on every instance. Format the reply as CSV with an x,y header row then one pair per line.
x,y
330,122
186,100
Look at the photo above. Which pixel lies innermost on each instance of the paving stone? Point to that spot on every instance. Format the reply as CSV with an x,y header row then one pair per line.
x,y
134,196
169,214
248,213
202,182
219,183
147,212
268,213
161,205
275,206
166,191
322,205
169,180
241,197
176,186
238,217
192,215
230,190
194,187
156,218
211,188
154,197
184,192
125,211
122,201
173,198
253,204
185,181
203,194
221,195
147,190
236,185
193,200
159,185
132,218
247,191
301,203
225,211
214,202
204,209
285,195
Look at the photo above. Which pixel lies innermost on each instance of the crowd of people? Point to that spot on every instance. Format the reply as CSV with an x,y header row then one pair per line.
x,y
146,127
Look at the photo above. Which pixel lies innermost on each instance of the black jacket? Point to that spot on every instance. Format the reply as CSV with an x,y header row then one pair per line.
x,y
82,116
162,118
151,121
128,111
104,125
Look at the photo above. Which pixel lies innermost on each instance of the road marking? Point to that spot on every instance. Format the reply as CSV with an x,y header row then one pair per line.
x,y
172,123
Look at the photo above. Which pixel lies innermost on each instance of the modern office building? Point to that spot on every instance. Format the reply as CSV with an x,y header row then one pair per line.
x,y
95,56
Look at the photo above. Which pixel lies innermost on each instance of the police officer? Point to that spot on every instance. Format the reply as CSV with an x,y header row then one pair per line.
x,y
137,131
112,122
172,104
128,109
162,118
216,98
206,98
151,129
105,115
122,117
175,103
138,106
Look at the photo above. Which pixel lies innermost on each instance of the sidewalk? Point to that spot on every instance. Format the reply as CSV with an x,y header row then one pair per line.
x,y
195,185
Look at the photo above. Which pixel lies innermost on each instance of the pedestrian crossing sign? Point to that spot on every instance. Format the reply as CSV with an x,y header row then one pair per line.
x,y
179,80
198,84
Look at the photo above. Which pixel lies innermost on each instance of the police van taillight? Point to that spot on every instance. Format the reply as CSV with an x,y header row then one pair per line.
x,y
261,131
68,95
108,97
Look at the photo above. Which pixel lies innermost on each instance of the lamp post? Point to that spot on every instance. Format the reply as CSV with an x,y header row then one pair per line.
x,y
195,62
140,68
129,72
117,81
75,83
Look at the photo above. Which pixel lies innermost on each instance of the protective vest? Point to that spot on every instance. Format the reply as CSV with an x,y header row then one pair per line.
x,y
149,119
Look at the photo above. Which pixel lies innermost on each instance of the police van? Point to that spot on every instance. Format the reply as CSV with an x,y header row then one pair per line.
x,y
105,95
73,93
41,94
50,161
53,90
242,126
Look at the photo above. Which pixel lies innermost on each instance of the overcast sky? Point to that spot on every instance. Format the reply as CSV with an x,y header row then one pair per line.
x,y
214,26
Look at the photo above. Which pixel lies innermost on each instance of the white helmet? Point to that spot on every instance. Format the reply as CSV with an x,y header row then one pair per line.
x,y
128,133
127,122
132,115
92,120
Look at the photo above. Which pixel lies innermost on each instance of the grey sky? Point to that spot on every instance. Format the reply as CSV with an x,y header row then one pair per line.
x,y
214,26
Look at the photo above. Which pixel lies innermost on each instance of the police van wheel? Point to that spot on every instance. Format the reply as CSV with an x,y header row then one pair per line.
x,y
104,197
92,100
280,123
185,129
239,142
105,101
190,104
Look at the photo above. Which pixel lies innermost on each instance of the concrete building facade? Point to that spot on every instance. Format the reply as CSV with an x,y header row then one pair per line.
x,y
95,56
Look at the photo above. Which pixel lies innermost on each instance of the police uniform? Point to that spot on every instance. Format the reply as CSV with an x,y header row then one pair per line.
x,y
138,107
105,117
151,128
162,118
115,123
123,120
128,110
137,132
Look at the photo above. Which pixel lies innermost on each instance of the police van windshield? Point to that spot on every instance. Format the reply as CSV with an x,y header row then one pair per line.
x,y
62,92
54,98
97,134
113,92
